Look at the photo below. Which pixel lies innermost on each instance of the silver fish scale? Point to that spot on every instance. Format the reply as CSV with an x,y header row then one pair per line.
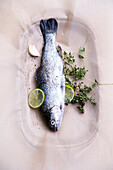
x,y
51,75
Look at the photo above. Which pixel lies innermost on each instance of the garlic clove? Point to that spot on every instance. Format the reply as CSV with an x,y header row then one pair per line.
x,y
33,50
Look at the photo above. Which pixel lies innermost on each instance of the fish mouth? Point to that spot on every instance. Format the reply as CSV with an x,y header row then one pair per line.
x,y
54,124
53,118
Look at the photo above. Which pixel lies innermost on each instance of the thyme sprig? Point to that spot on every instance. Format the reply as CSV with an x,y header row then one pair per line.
x,y
74,77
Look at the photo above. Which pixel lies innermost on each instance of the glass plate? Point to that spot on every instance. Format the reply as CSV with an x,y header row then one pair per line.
x,y
77,129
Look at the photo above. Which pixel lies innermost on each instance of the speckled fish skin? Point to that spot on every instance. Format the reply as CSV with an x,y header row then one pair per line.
x,y
50,76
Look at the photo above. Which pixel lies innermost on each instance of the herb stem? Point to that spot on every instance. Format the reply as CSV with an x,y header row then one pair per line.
x,y
89,79
84,61
86,40
98,83
68,63
105,83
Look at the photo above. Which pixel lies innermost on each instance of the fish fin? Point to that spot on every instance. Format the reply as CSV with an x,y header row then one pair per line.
x,y
37,75
59,50
48,26
63,92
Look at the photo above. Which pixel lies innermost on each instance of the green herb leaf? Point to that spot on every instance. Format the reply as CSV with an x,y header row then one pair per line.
x,y
73,73
80,55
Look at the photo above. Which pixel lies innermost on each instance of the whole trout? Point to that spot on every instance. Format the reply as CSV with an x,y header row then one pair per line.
x,y
50,76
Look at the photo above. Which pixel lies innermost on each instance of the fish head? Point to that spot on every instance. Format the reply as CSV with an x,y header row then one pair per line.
x,y
55,118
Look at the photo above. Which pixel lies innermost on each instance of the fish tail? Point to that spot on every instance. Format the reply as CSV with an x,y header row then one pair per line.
x,y
48,26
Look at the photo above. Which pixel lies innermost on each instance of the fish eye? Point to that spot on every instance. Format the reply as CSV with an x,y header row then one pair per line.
x,y
52,122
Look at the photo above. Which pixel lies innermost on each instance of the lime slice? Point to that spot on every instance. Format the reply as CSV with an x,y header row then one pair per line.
x,y
36,98
69,93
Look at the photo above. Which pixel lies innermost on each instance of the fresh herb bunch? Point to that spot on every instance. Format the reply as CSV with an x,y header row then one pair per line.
x,y
73,73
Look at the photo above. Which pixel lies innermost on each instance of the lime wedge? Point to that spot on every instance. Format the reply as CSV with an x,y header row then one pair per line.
x,y
36,98
69,93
